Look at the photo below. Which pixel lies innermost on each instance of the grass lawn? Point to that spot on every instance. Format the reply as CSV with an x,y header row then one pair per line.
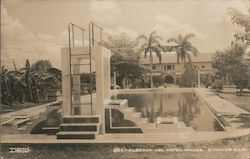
x,y
243,102
240,101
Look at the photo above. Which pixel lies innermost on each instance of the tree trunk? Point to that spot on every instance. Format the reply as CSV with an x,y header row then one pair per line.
x,y
162,72
241,90
115,79
151,68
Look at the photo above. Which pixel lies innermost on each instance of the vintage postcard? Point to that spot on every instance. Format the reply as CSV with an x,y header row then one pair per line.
x,y
125,79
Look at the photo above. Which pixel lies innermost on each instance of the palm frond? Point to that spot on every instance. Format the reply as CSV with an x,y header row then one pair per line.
x,y
153,32
142,48
188,36
187,44
146,52
194,50
157,37
155,44
21,81
158,53
142,37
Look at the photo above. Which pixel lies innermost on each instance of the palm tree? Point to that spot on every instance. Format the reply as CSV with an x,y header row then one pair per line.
x,y
184,48
151,44
28,81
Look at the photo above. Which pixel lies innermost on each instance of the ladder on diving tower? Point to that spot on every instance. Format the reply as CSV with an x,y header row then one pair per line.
x,y
82,123
77,62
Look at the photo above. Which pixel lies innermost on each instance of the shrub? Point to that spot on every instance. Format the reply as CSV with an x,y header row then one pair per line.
x,y
217,85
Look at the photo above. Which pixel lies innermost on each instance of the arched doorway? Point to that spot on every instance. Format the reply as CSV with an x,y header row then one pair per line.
x,y
169,79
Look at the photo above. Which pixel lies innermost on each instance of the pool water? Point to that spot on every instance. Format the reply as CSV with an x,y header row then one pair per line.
x,y
186,106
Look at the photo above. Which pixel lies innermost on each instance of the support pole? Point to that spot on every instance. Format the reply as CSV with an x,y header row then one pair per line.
x,y
199,78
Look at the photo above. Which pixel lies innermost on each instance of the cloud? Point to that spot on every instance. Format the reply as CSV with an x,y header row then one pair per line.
x,y
219,9
19,44
170,27
105,12
120,30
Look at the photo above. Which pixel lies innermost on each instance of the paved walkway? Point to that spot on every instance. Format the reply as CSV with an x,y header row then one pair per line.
x,y
27,111
130,138
219,106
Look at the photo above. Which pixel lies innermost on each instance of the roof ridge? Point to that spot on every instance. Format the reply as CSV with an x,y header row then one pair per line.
x,y
171,58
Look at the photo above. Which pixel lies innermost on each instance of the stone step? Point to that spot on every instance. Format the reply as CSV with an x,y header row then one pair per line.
x,y
126,130
79,127
76,135
144,120
145,126
51,130
129,109
167,126
81,119
166,120
133,114
181,124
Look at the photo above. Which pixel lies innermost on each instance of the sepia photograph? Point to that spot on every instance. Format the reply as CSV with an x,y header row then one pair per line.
x,y
125,79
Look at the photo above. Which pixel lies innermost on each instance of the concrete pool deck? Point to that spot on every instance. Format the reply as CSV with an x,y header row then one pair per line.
x,y
227,112
219,106
130,138
31,111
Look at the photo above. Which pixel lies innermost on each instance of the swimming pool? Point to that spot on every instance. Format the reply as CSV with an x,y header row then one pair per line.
x,y
184,105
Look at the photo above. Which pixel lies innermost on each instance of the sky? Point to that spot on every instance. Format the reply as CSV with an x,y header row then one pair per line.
x,y
37,29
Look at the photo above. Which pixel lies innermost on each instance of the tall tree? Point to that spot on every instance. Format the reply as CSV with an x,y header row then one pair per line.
x,y
235,60
149,46
28,80
41,65
184,48
243,20
5,87
230,61
124,59
189,76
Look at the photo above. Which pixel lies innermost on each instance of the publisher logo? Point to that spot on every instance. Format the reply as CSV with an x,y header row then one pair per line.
x,y
19,150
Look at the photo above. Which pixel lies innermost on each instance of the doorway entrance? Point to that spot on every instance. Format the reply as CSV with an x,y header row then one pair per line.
x,y
169,79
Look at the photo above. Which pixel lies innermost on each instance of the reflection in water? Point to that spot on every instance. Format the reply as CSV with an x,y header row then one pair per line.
x,y
185,106
188,108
